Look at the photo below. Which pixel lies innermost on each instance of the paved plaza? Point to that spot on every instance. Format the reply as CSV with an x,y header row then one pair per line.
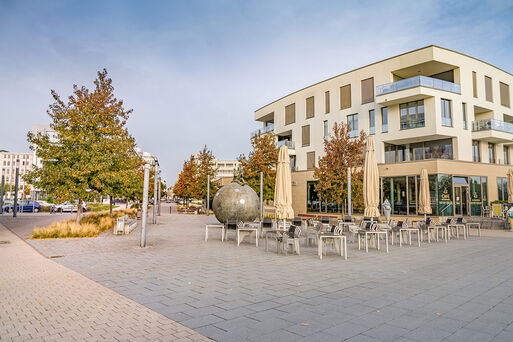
x,y
461,291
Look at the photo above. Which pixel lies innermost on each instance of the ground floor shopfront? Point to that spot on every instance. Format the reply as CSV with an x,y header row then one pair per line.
x,y
456,188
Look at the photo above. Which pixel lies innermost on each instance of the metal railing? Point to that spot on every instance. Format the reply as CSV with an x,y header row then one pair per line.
x,y
263,130
492,124
418,81
286,142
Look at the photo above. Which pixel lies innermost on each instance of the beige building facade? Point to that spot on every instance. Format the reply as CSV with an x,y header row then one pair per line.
x,y
429,108
9,161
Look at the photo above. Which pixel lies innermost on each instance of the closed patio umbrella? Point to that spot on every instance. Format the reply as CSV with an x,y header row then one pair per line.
x,y
283,187
510,186
424,196
370,181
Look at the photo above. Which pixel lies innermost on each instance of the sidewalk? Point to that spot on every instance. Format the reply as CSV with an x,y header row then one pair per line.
x,y
44,301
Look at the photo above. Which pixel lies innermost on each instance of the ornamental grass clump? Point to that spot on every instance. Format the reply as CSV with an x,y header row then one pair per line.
x,y
91,225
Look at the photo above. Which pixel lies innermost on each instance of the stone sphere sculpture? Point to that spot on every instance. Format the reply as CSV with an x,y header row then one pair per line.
x,y
235,201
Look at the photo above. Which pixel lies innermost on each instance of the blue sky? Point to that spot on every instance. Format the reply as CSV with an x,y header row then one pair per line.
x,y
195,71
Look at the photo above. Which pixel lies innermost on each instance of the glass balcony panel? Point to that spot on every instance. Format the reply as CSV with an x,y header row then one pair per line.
x,y
289,144
263,130
417,81
492,124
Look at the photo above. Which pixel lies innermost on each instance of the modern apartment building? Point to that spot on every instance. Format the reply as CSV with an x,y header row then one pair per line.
x,y
429,108
225,169
8,163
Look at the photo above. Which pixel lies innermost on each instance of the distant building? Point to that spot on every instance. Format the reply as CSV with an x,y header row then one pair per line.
x,y
8,162
38,162
225,169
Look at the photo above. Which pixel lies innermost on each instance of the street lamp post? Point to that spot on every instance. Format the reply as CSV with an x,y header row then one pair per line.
x,y
15,204
158,194
155,178
261,196
349,209
2,195
208,195
146,185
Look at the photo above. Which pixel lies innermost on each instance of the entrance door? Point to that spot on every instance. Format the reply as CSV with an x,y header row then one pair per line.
x,y
461,200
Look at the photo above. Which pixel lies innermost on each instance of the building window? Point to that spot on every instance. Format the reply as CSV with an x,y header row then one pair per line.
x,y
488,89
310,108
293,163
502,188
310,160
474,83
305,135
352,122
325,129
345,97
384,119
372,122
290,114
434,149
368,90
476,156
506,155
327,101
504,90
464,111
446,113
491,153
412,114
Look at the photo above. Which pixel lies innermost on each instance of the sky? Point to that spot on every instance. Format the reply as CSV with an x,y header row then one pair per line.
x,y
194,72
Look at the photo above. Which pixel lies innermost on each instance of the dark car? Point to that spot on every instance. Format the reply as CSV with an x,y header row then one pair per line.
x,y
24,206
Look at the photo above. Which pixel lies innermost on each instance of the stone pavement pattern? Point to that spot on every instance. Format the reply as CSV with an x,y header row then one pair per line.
x,y
457,292
41,300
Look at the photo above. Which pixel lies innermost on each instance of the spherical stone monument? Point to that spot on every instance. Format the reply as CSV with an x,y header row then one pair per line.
x,y
235,201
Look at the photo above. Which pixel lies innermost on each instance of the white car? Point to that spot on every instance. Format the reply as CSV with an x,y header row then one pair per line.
x,y
44,203
65,207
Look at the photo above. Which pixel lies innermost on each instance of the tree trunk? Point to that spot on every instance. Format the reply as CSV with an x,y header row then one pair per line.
x,y
79,212
110,205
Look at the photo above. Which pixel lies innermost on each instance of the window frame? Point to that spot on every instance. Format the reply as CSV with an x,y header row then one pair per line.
x,y
350,119
372,122
384,126
446,105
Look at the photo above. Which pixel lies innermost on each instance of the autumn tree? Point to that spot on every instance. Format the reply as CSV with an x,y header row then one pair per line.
x,y
186,183
92,154
205,167
341,151
262,158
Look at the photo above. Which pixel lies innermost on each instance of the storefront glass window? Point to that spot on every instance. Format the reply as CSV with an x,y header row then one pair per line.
x,y
475,196
444,189
412,196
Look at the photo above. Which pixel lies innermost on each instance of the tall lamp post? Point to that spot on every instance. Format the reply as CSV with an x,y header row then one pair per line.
x,y
159,192
15,204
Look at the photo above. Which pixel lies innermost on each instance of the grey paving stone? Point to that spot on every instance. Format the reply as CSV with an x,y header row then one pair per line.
x,y
427,334
468,335
504,336
386,332
346,330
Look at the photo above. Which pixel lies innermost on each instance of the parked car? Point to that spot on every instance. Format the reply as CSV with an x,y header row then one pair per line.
x,y
24,206
44,203
67,207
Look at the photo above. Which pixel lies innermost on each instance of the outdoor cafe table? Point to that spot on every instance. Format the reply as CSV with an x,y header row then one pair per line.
x,y
214,226
342,248
473,225
368,234
409,231
246,230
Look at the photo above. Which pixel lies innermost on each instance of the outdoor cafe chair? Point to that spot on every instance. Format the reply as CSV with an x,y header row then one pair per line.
x,y
267,224
231,225
289,238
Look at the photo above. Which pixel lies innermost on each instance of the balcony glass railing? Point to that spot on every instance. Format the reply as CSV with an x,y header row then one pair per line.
x,y
497,125
289,144
418,81
263,130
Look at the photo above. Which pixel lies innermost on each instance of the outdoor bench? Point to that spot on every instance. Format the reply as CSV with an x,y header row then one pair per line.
x,y
124,225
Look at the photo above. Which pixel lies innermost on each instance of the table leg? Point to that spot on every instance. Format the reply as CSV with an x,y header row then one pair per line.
x,y
345,248
238,237
418,237
223,234
266,243
400,238
366,244
377,240
256,232
409,236
359,247
319,247
206,233
386,241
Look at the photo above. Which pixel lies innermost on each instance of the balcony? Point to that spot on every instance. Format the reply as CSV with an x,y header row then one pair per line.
x,y
492,130
413,89
418,81
263,130
289,144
